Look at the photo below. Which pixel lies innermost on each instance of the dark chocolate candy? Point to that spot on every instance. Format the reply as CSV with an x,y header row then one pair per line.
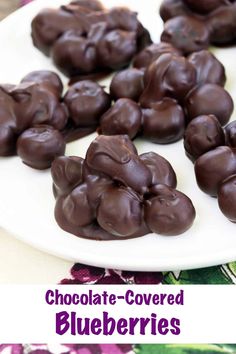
x,y
209,69
230,134
169,76
162,171
170,212
45,77
221,24
204,133
186,33
203,6
86,102
40,145
127,84
128,220
124,117
151,53
113,156
173,8
164,123
86,40
76,207
104,196
74,55
227,198
213,167
209,99
67,173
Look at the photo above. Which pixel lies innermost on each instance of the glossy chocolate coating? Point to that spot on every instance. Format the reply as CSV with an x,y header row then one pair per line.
x,y
124,117
127,84
230,134
86,102
169,76
111,194
227,198
170,212
205,7
162,171
221,23
186,33
209,99
212,168
118,161
35,101
151,53
74,55
40,145
129,218
209,69
164,123
173,8
116,49
217,16
45,77
86,40
67,173
204,133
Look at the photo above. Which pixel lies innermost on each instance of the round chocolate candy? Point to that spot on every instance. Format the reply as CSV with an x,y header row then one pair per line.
x,y
204,133
46,77
120,212
127,84
172,8
204,7
212,168
115,157
151,53
124,117
76,208
94,5
67,173
86,102
164,123
221,24
170,212
209,99
50,24
227,198
74,55
116,49
209,69
186,33
40,145
161,169
230,134
169,76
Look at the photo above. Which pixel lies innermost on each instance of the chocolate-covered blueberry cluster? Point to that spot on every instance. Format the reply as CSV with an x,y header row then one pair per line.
x,y
192,25
116,194
32,117
36,121
164,92
84,38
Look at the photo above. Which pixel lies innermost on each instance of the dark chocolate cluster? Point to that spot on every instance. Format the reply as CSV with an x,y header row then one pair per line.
x,y
32,117
36,121
84,38
214,151
164,92
116,194
192,25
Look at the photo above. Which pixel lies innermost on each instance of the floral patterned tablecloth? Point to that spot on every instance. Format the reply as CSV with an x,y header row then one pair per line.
x,y
19,263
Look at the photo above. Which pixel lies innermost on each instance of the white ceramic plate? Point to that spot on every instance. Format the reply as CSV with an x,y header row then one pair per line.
x,y
27,203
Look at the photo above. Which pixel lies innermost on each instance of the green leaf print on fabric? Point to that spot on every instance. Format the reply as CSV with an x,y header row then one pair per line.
x,y
184,349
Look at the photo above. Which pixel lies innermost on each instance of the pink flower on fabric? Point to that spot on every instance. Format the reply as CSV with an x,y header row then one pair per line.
x,y
83,274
